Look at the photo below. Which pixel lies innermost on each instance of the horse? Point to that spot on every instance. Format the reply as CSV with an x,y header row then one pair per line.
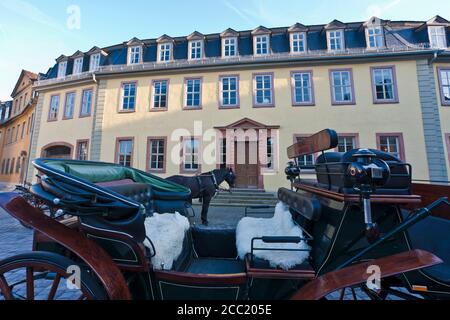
x,y
205,186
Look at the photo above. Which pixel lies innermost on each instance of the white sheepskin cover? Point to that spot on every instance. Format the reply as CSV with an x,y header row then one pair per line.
x,y
167,232
281,225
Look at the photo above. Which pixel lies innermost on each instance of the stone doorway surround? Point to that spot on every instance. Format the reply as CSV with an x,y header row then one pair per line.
x,y
247,132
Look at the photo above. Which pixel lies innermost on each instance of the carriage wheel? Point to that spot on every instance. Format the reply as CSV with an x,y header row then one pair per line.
x,y
362,292
45,276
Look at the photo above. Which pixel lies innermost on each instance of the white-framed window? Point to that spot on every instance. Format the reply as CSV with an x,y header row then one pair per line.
x,y
444,79
160,93
195,50
229,47
302,88
263,90
375,37
391,145
165,52
94,62
128,96
54,108
69,105
438,37
270,153
384,84
125,152
78,65
306,161
342,87
86,103
191,154
229,91
346,143
261,45
7,111
223,153
62,69
193,93
335,40
157,154
298,42
135,55
82,150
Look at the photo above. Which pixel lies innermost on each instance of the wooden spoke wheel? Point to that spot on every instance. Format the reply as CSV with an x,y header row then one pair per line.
x,y
46,276
362,293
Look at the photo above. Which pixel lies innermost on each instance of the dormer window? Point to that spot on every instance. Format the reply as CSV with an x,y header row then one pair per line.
x,y
375,37
94,63
62,69
78,65
261,45
230,43
298,42
135,55
196,50
229,47
437,36
165,52
335,40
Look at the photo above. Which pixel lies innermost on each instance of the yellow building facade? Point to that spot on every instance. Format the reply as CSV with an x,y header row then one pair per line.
x,y
16,129
186,116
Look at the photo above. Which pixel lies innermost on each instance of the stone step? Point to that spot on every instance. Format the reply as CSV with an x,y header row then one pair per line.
x,y
248,190
234,205
250,194
245,197
241,203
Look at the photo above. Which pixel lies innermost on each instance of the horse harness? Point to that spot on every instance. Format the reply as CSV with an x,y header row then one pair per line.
x,y
214,180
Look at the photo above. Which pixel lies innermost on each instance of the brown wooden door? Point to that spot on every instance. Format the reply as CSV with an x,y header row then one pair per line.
x,y
246,164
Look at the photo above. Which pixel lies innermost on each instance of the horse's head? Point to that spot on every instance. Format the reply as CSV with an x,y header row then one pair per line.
x,y
230,177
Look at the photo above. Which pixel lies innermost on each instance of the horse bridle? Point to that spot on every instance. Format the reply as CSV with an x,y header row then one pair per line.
x,y
214,179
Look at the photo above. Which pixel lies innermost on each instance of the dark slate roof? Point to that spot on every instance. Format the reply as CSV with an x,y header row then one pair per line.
x,y
397,33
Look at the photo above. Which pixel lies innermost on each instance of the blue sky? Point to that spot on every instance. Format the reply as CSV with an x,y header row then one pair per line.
x,y
33,33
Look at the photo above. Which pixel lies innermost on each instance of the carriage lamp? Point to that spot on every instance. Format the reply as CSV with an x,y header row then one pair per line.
x,y
367,173
292,171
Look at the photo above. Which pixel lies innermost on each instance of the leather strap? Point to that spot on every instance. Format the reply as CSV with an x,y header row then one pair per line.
x,y
216,185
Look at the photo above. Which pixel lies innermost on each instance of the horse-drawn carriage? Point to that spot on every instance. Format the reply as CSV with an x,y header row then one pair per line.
x,y
119,233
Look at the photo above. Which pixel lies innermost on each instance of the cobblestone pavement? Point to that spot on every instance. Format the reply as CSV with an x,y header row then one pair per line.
x,y
16,239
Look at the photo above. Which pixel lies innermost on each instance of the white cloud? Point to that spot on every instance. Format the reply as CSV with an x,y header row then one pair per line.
x,y
376,10
29,11
269,13
239,12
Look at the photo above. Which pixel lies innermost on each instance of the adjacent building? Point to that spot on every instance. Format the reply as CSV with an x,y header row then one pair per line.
x,y
16,130
241,98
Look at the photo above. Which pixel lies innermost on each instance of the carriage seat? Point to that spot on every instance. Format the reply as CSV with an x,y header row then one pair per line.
x,y
153,200
140,192
331,170
207,251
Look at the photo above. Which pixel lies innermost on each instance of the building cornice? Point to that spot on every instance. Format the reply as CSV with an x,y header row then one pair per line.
x,y
264,63
67,82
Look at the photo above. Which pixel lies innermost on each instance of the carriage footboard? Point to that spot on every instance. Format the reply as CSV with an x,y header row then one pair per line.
x,y
359,274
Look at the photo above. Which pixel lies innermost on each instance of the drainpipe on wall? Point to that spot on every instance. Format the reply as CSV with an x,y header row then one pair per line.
x,y
25,178
435,56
